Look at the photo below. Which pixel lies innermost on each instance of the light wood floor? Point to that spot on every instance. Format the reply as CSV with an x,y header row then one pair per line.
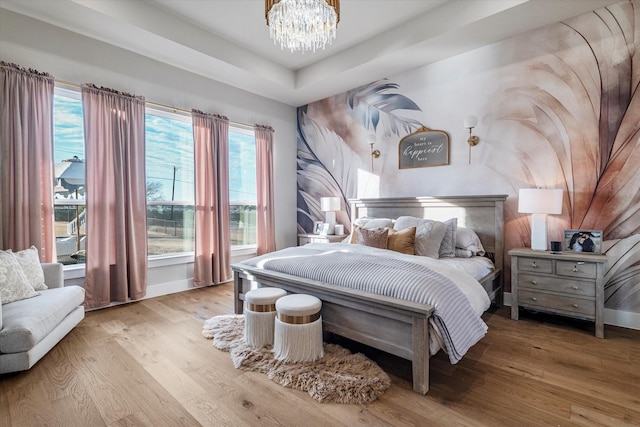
x,y
147,364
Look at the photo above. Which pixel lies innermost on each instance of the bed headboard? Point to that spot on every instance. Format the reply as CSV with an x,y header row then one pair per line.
x,y
482,214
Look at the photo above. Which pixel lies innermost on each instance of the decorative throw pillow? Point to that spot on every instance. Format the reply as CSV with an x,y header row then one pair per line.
x,y
368,223
402,241
31,267
376,237
448,245
429,234
467,239
14,286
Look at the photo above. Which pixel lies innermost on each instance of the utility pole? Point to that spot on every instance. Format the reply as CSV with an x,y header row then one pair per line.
x,y
173,189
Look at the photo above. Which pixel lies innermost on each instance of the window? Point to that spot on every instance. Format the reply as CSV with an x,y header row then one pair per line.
x,y
242,186
170,182
69,197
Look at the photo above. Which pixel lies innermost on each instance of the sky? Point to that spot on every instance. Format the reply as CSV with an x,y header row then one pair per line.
x,y
169,146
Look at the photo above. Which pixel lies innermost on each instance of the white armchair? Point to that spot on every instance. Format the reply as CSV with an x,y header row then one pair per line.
x,y
29,328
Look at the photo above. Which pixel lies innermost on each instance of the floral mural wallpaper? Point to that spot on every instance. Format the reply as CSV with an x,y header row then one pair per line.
x,y
558,107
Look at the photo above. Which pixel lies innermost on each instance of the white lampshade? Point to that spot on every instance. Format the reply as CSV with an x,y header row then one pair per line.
x,y
328,204
470,121
540,201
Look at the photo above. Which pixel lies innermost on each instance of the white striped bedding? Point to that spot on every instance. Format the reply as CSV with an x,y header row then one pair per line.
x,y
458,299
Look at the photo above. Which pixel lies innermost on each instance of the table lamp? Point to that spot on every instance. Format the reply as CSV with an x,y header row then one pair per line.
x,y
539,202
330,205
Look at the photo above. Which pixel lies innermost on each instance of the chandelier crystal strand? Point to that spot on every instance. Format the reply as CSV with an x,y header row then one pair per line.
x,y
302,24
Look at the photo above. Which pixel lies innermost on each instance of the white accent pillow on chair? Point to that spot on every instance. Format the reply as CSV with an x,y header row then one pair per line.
x,y
29,260
14,285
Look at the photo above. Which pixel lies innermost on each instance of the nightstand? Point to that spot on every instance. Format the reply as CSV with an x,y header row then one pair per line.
x,y
567,283
305,238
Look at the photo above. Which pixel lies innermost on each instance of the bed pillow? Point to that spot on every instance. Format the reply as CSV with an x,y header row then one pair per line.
x,y
14,285
402,241
429,234
468,240
463,253
29,260
369,223
448,245
375,237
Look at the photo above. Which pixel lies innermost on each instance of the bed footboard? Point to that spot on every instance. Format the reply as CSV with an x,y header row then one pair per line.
x,y
388,324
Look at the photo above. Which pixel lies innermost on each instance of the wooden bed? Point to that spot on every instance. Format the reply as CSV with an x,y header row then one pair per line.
x,y
392,325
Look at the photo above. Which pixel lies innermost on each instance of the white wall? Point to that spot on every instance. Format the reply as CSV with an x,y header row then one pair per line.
x,y
78,59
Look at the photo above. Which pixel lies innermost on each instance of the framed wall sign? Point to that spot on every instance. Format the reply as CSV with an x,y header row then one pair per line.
x,y
423,148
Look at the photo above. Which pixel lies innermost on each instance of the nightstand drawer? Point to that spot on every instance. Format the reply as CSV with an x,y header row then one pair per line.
x,y
583,269
306,238
535,264
556,284
303,240
326,239
577,306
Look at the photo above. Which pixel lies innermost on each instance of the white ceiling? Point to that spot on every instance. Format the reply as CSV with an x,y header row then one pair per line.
x,y
228,40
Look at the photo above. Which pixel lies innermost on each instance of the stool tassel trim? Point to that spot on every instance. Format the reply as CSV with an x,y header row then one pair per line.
x,y
259,328
298,342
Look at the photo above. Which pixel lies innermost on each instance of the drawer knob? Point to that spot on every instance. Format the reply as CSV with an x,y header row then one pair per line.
x,y
575,305
574,269
575,288
533,282
534,299
534,265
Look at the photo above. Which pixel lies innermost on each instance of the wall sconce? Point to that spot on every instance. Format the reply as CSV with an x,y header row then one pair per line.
x,y
470,122
539,202
374,154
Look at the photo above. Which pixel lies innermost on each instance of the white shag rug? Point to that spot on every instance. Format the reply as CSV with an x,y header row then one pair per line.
x,y
340,376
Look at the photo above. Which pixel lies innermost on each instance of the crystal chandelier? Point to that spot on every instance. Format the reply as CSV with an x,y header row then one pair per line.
x,y
302,24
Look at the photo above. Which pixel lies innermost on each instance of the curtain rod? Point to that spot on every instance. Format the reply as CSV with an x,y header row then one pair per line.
x,y
155,104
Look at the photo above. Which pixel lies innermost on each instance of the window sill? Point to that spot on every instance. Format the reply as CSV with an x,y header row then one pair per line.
x,y
73,271
170,259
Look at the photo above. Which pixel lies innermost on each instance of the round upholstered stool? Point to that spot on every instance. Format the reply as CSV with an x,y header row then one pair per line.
x,y
259,315
298,329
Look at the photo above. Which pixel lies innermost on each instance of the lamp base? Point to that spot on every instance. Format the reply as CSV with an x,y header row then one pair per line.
x,y
330,217
539,232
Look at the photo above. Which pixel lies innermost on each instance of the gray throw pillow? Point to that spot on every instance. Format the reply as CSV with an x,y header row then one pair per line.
x,y
429,234
448,245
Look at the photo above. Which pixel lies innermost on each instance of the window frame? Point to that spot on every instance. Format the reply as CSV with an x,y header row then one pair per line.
x,y
247,131
64,90
171,114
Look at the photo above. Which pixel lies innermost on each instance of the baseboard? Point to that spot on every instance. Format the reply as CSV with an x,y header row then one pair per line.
x,y
168,288
624,319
